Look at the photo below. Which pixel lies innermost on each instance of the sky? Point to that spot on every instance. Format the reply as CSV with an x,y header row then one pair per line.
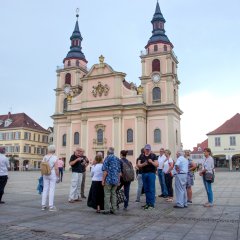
x,y
35,36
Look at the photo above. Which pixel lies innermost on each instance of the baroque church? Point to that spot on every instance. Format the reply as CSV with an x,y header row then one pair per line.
x,y
97,108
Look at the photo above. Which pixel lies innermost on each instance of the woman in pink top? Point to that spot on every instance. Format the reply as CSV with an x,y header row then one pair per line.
x,y
60,164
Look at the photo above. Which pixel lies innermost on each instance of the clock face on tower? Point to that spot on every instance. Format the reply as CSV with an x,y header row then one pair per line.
x,y
156,77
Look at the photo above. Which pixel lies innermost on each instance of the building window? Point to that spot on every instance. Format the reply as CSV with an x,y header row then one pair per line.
x,y
165,48
157,135
27,136
217,142
232,141
156,65
77,63
76,138
156,94
155,48
65,104
68,78
100,136
129,135
69,63
64,140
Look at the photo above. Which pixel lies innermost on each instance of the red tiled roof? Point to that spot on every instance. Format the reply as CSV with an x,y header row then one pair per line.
x,y
20,120
201,146
231,126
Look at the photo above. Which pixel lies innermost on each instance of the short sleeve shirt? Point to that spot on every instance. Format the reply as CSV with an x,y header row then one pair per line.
x,y
4,165
78,167
111,165
148,168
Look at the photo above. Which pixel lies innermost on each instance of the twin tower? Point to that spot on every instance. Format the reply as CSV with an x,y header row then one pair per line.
x,y
97,108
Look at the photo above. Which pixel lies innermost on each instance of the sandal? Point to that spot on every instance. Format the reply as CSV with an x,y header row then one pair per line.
x,y
169,200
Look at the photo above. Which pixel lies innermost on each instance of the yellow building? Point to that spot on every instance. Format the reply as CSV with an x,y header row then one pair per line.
x,y
25,140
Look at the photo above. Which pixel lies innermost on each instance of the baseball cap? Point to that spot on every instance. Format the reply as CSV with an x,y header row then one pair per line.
x,y
147,147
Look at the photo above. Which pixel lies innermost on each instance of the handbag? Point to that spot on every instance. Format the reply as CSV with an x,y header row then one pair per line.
x,y
209,177
120,196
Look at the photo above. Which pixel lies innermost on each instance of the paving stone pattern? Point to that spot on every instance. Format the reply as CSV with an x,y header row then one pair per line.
x,y
21,217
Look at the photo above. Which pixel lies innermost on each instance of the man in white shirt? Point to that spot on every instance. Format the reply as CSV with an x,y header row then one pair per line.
x,y
4,165
181,170
161,177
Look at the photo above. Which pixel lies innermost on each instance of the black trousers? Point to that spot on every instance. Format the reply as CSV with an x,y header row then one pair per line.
x,y
3,182
168,181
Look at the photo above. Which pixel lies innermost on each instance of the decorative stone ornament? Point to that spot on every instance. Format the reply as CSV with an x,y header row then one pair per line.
x,y
100,90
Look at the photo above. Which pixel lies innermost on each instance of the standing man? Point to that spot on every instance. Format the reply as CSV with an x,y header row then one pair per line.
x,y
84,178
181,170
4,165
161,177
190,175
77,161
148,162
111,178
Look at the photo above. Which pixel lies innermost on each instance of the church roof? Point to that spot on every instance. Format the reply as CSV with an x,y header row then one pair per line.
x,y
231,126
19,120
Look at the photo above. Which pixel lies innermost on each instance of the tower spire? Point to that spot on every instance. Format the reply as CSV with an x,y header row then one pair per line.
x,y
158,32
76,41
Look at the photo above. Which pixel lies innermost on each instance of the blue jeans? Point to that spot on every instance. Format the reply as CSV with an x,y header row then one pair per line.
x,y
140,185
162,183
149,187
208,187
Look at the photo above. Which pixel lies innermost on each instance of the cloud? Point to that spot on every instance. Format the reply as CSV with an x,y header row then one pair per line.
x,y
204,111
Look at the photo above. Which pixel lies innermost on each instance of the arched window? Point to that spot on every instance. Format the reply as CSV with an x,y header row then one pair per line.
x,y
157,135
173,67
65,104
129,135
64,140
69,63
68,78
76,138
156,65
165,48
100,136
156,94
77,63
155,48
177,137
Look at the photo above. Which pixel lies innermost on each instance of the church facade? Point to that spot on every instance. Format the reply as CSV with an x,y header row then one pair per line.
x,y
97,108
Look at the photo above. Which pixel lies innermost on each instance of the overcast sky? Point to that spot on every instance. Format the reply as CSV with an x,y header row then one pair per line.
x,y
35,35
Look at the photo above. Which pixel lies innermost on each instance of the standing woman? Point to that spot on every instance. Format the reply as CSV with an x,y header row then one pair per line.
x,y
4,165
49,182
167,169
96,193
208,167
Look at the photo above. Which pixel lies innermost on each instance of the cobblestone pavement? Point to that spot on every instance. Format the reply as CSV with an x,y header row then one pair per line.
x,y
21,217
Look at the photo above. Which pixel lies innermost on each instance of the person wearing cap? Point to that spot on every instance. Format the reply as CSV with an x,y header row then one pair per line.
x,y
4,165
148,163
181,170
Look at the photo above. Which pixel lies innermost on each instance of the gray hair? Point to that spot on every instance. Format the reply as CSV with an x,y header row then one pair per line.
x,y
51,149
111,150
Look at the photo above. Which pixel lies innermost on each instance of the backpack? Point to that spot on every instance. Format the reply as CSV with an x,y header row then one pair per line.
x,y
45,167
127,171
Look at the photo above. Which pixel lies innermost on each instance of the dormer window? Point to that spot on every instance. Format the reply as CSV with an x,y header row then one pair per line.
x,y
7,122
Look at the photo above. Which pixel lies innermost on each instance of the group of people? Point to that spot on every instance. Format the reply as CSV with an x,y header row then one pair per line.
x,y
112,173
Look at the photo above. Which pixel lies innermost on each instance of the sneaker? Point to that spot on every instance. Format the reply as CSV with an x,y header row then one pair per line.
x,y
146,207
52,209
150,208
44,208
143,206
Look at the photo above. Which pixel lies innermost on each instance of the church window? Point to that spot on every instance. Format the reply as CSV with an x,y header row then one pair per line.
x,y
156,94
129,135
165,48
155,48
100,136
161,25
76,138
156,65
68,78
64,140
65,104
69,63
173,67
174,96
77,63
157,135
